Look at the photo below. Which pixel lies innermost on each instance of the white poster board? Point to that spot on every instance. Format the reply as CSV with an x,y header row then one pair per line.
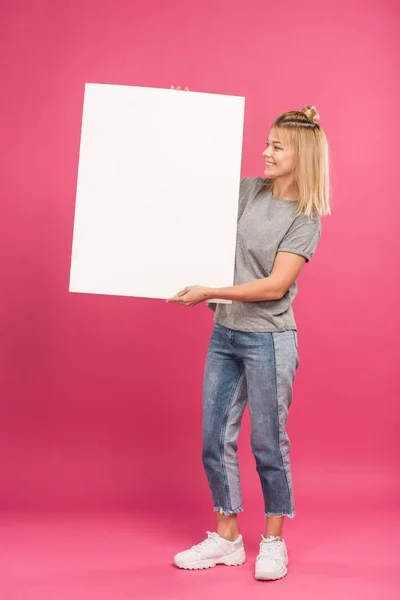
x,y
157,191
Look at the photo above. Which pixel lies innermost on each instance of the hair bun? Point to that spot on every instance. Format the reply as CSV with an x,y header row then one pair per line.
x,y
311,113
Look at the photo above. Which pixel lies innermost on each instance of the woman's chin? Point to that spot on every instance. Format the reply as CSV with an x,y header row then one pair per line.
x,y
267,173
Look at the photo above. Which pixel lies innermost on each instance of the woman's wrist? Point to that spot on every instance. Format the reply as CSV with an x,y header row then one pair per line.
x,y
209,293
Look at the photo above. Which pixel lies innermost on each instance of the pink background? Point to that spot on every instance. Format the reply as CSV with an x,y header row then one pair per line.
x,y
101,396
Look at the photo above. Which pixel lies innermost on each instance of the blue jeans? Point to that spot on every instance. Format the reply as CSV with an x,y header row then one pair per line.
x,y
258,368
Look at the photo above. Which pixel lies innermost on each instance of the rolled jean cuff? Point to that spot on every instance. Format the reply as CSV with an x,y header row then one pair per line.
x,y
228,512
290,515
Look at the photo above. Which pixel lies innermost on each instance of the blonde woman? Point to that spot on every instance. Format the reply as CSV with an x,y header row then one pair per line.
x,y
253,351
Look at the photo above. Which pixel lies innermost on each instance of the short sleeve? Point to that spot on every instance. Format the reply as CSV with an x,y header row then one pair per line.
x,y
302,237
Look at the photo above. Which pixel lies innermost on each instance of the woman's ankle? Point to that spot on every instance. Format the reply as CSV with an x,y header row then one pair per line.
x,y
227,526
228,535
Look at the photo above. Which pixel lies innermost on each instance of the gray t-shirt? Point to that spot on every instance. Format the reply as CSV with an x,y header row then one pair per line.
x,y
266,225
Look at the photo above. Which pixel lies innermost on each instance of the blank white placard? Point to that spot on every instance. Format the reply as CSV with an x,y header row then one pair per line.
x,y
157,191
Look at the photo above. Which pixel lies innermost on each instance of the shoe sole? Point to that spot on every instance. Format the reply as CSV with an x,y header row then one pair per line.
x,y
262,577
232,560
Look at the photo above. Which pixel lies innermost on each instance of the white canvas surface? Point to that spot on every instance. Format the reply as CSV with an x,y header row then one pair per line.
x,y
157,191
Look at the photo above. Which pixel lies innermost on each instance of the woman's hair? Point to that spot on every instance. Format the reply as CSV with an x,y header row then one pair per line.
x,y
300,130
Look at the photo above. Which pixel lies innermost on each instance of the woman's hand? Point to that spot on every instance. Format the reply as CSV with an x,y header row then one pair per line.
x,y
190,296
178,87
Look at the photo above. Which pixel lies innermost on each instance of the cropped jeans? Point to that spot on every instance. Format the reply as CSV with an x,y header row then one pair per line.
x,y
258,368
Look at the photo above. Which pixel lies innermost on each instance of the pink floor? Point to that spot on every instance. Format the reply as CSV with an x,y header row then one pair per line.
x,y
116,556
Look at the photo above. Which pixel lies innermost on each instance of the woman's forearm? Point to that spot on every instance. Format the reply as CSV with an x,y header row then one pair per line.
x,y
253,291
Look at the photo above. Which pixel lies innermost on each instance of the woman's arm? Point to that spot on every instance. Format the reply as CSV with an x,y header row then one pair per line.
x,y
286,269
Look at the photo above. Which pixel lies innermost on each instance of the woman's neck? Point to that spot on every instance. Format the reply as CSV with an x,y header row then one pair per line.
x,y
285,190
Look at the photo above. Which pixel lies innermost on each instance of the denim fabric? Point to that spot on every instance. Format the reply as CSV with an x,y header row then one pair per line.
x,y
258,368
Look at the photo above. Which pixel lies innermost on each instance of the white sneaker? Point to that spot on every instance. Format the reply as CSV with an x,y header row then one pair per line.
x,y
214,550
272,560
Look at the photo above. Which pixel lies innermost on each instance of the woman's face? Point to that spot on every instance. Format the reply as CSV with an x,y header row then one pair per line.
x,y
279,157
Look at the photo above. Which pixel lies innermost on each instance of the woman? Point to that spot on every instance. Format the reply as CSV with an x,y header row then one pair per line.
x,y
253,350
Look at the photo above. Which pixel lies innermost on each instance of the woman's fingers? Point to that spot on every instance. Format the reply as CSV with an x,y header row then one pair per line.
x,y
178,88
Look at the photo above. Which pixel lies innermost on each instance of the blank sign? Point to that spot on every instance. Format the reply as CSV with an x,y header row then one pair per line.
x,y
157,191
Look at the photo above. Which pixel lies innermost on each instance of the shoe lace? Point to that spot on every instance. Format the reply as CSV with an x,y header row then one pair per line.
x,y
270,548
212,537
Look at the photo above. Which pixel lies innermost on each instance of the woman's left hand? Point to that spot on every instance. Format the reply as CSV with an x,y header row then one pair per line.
x,y
190,296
